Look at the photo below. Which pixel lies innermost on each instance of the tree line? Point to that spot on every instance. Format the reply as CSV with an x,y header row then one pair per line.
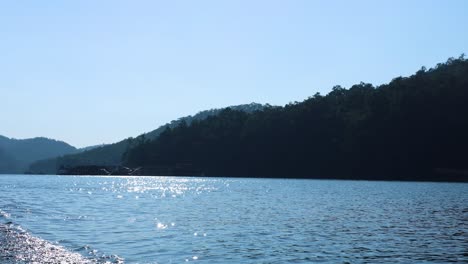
x,y
413,128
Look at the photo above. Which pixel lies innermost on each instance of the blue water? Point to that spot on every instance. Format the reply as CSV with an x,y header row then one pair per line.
x,y
221,220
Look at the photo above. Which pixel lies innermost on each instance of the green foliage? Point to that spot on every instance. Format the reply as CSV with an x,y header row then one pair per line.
x,y
412,129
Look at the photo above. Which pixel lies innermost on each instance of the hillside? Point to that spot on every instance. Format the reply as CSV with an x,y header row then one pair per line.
x,y
413,128
17,154
111,154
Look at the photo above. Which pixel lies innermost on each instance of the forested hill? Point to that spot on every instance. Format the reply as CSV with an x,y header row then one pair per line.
x,y
17,154
111,155
414,128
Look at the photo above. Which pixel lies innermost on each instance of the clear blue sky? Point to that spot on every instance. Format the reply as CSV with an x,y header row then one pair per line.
x,y
91,72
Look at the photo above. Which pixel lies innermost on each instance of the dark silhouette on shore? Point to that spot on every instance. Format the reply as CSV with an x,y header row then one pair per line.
x,y
111,154
414,128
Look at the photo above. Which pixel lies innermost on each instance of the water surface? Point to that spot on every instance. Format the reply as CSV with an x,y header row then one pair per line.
x,y
221,220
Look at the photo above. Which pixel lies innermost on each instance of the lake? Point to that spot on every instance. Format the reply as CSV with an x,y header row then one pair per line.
x,y
91,219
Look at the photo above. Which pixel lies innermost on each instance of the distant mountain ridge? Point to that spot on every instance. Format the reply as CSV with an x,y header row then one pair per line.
x,y
111,154
17,154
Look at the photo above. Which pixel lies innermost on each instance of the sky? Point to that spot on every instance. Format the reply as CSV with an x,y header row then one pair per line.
x,y
90,72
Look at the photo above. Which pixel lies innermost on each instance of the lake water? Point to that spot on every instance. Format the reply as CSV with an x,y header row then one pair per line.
x,y
220,220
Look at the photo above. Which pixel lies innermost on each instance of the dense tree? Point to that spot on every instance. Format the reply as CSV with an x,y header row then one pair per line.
x,y
111,154
413,128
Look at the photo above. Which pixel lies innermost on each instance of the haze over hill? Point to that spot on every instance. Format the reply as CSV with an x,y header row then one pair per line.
x,y
17,154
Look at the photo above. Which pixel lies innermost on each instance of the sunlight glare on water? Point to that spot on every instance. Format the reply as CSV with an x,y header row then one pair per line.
x,y
207,220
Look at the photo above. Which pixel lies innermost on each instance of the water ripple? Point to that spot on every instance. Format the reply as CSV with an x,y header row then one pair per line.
x,y
219,220
18,246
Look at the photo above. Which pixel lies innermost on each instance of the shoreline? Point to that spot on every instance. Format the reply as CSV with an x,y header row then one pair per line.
x,y
465,180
